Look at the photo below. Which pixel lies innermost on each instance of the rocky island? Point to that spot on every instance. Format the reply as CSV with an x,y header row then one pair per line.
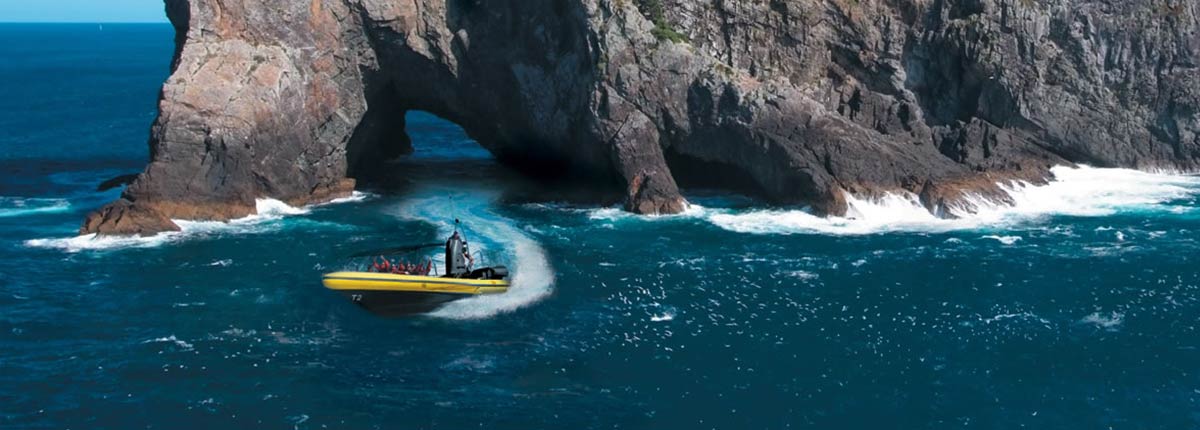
x,y
797,101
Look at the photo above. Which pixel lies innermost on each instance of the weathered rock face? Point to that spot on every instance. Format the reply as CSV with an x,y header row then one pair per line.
x,y
800,101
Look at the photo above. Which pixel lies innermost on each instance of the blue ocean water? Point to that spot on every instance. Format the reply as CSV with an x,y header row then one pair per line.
x,y
1075,309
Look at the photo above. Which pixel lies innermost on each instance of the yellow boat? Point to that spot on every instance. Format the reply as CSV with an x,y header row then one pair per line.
x,y
382,292
387,293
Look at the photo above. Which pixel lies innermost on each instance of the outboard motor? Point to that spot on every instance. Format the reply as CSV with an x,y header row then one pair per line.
x,y
496,272
456,256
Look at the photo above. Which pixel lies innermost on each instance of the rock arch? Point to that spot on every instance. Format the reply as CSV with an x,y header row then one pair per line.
x,y
294,102
804,100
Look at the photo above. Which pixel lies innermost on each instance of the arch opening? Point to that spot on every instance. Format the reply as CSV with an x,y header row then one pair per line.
x,y
698,176
394,147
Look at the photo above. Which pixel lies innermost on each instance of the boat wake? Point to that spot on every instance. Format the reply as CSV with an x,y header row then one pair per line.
x,y
532,276
269,212
1082,192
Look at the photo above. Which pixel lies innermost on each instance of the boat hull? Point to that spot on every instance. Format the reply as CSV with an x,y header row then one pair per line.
x,y
393,295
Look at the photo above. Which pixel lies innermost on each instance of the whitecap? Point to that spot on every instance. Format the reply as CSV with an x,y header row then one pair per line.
x,y
1007,240
470,363
1015,316
170,339
663,317
802,275
21,206
1109,322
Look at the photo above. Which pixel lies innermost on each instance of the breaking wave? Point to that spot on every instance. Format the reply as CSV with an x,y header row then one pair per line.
x,y
268,210
618,214
532,276
1081,191
21,206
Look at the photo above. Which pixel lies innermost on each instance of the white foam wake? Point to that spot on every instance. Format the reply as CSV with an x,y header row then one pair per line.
x,y
268,210
532,276
1082,191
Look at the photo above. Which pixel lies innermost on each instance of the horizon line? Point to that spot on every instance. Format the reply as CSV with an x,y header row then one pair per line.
x,y
85,22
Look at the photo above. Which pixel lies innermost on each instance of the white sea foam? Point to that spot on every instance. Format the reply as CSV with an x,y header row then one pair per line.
x,y
171,339
617,214
356,196
21,206
1016,316
1082,191
1007,240
802,275
94,242
1107,322
532,276
268,210
896,212
665,316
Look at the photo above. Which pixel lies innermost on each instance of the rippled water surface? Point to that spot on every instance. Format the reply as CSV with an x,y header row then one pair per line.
x,y
1077,308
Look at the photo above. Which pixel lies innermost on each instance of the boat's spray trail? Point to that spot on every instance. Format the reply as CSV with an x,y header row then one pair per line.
x,y
532,277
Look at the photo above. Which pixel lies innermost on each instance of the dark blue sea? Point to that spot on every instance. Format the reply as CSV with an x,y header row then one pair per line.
x,y
1076,308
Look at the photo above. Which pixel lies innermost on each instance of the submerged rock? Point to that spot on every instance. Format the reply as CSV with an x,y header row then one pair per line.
x,y
800,101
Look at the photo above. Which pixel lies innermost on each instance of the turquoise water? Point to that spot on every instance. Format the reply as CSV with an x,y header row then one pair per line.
x,y
1075,309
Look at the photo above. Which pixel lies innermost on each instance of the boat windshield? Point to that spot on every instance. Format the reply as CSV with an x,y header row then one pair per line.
x,y
422,263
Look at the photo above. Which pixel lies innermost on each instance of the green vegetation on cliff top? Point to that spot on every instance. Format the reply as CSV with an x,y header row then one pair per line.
x,y
653,10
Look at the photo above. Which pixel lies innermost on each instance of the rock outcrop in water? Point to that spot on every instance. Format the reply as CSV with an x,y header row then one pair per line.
x,y
799,101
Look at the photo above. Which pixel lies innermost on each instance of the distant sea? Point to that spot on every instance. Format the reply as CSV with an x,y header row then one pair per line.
x,y
1077,308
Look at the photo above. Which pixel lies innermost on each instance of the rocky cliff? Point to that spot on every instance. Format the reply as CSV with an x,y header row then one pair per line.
x,y
798,101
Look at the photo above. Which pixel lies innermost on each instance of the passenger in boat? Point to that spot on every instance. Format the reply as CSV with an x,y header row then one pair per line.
x,y
381,265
